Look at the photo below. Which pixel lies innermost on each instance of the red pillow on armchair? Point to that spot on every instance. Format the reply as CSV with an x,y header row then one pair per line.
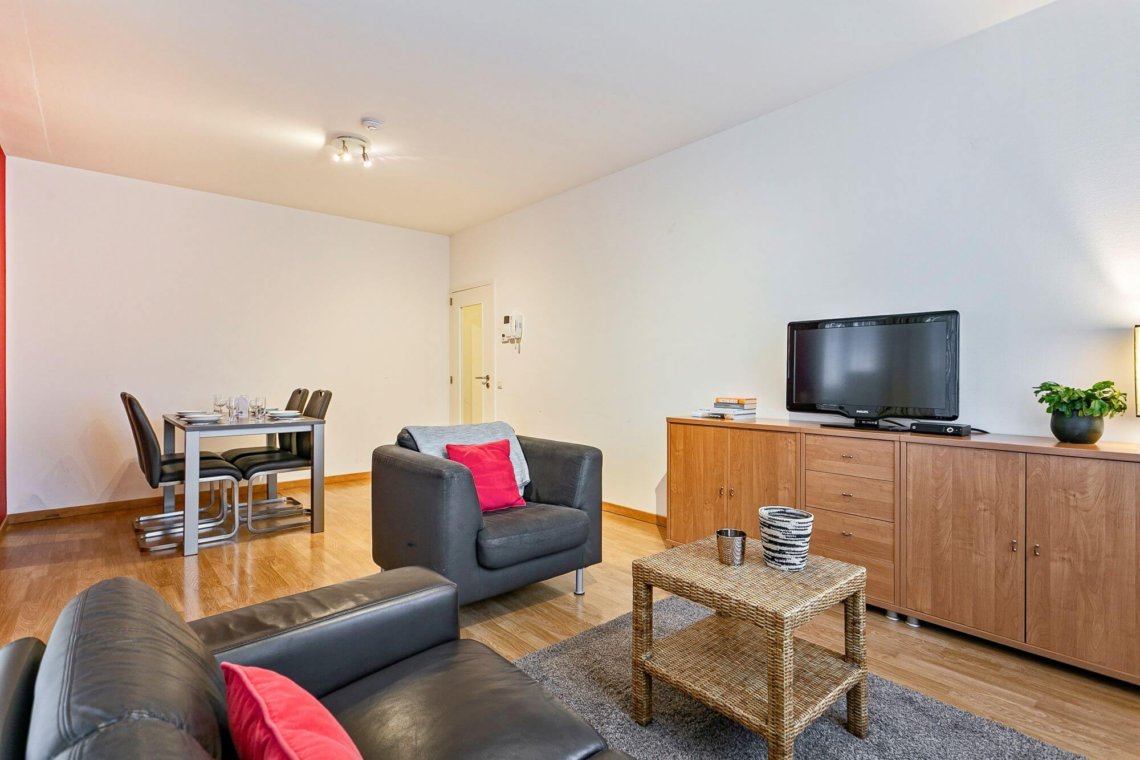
x,y
490,465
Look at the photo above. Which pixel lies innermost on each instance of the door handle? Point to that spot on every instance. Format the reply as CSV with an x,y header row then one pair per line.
x,y
1013,545
1037,550
722,490
731,492
486,379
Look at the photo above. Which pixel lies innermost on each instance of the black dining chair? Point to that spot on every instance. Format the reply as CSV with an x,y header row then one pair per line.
x,y
166,522
274,463
170,470
285,442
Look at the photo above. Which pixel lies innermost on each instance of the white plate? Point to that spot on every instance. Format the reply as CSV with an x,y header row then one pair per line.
x,y
196,413
284,413
195,419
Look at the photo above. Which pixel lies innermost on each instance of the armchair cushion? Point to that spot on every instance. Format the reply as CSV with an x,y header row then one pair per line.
x,y
461,701
433,440
490,465
512,536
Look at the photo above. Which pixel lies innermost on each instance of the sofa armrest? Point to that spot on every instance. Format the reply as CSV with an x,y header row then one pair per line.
x,y
425,512
326,638
570,475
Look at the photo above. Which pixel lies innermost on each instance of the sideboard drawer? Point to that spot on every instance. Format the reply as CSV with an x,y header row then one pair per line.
x,y
864,497
860,541
845,455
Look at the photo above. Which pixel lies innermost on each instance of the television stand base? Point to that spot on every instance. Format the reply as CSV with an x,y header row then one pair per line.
x,y
889,427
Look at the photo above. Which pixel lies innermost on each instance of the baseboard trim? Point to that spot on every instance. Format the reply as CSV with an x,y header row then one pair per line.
x,y
634,514
155,502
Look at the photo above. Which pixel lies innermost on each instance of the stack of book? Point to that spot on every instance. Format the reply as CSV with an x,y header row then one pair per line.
x,y
729,408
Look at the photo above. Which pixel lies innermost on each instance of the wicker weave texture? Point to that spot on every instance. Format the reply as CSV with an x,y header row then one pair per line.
x,y
745,662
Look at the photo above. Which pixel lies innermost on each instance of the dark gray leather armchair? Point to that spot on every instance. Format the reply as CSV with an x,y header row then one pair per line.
x,y
124,677
425,512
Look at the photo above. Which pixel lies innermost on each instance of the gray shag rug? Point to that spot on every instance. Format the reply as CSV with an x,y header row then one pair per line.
x,y
590,672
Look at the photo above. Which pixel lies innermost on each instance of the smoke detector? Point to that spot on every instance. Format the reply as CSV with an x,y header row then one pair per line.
x,y
371,124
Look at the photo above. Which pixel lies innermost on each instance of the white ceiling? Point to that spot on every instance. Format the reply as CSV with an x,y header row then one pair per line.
x,y
490,104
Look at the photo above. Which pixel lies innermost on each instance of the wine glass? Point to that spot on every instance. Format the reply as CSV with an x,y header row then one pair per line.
x,y
220,402
257,407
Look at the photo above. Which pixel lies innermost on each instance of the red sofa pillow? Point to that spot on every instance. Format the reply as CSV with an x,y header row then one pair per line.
x,y
490,465
272,718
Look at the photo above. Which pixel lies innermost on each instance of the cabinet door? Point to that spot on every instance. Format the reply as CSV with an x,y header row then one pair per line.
x,y
1083,596
698,490
965,508
762,471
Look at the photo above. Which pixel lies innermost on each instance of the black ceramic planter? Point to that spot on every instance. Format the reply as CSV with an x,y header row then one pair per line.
x,y
1076,429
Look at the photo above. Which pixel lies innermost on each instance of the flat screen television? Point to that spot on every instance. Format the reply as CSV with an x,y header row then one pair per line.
x,y
867,368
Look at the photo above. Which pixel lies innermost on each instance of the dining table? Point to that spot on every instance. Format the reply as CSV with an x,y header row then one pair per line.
x,y
193,433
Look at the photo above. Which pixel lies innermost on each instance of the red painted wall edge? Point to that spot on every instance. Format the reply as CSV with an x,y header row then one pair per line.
x,y
3,337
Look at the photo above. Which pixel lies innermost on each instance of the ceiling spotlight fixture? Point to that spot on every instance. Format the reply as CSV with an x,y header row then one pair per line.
x,y
349,146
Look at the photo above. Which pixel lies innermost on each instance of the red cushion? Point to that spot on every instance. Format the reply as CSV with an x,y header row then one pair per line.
x,y
490,465
272,718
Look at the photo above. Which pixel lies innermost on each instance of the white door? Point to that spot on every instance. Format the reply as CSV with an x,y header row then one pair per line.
x,y
472,355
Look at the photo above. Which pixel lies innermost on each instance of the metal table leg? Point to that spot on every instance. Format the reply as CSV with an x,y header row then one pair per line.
x,y
190,497
271,480
167,448
317,481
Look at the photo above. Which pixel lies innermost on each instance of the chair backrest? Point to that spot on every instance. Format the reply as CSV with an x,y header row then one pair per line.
x,y
318,407
146,442
297,399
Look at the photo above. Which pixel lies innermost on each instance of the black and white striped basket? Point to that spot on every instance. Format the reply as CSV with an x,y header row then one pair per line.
x,y
785,534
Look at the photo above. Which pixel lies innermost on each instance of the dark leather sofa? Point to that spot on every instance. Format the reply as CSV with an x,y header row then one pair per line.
x,y
123,676
425,512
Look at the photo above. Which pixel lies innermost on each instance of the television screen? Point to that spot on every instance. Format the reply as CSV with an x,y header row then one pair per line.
x,y
871,367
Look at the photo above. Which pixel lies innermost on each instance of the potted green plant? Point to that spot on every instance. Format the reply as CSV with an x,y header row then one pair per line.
x,y
1078,414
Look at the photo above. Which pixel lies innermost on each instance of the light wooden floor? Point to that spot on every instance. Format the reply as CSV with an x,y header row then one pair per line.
x,y
44,564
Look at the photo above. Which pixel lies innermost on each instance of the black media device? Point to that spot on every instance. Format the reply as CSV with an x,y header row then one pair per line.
x,y
867,368
940,428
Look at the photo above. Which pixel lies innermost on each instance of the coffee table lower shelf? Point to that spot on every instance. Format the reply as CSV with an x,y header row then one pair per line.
x,y
722,662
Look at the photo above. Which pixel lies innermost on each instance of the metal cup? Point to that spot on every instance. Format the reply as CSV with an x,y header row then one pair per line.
x,y
730,546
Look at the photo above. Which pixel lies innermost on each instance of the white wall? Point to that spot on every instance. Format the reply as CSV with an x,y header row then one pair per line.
x,y
999,176
116,284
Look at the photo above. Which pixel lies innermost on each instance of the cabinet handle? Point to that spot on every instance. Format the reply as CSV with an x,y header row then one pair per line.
x,y
1013,545
1037,550
846,533
848,495
847,456
731,492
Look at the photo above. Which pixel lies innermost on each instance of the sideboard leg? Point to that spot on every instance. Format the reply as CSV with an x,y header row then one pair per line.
x,y
913,622
893,616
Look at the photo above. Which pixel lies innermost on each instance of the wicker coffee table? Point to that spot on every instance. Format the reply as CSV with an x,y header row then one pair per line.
x,y
744,661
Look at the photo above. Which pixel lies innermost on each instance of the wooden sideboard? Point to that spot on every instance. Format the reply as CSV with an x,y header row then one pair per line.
x,y
1016,539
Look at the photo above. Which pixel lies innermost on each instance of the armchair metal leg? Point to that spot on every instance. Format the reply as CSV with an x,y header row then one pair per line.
x,y
580,581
